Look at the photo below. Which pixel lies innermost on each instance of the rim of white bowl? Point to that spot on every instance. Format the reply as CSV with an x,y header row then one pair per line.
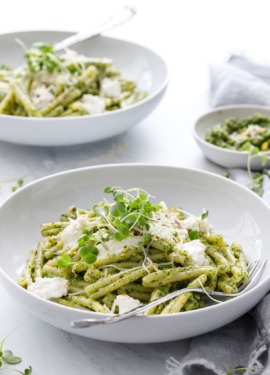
x,y
225,108
135,165
159,90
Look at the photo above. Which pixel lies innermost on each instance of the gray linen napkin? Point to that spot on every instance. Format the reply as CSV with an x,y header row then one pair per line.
x,y
239,81
246,341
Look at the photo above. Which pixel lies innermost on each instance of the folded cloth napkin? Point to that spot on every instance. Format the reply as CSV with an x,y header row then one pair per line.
x,y
245,342
242,344
239,81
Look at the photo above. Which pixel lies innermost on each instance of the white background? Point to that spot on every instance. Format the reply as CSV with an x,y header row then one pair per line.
x,y
190,35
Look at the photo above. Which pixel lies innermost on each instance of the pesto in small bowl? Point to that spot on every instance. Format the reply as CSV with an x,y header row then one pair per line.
x,y
241,134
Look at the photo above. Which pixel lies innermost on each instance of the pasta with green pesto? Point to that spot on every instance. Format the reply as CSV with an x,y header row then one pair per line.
x,y
71,84
121,254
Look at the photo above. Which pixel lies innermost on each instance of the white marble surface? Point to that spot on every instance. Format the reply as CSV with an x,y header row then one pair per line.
x,y
190,35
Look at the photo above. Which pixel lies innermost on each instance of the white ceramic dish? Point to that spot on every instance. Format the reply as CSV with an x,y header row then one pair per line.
x,y
235,211
224,157
134,61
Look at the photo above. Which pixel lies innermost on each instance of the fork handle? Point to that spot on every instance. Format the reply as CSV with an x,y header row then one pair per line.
x,y
84,323
118,18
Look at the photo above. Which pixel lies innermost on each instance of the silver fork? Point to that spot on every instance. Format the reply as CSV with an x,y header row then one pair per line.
x,y
256,269
121,16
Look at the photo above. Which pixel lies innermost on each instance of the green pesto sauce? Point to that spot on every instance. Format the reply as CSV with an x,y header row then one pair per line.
x,y
234,133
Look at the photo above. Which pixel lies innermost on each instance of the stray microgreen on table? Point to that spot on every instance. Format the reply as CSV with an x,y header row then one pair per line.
x,y
7,358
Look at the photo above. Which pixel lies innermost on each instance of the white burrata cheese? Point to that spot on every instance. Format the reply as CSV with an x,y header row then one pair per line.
x,y
205,227
165,225
93,104
125,304
110,87
73,231
252,131
42,97
116,247
196,252
195,223
46,287
167,232
191,223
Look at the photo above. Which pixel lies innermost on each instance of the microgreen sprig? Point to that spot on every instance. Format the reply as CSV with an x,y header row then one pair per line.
x,y
3,341
65,261
88,254
20,183
85,238
42,57
27,371
7,357
255,180
204,215
128,211
240,370
193,235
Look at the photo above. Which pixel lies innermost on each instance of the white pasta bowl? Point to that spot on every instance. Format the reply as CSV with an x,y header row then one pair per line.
x,y
237,213
136,62
222,156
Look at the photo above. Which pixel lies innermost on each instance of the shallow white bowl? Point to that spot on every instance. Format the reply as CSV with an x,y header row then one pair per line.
x,y
235,211
142,65
222,156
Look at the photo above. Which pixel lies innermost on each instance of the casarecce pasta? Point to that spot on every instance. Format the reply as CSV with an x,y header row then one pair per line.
x,y
70,84
116,256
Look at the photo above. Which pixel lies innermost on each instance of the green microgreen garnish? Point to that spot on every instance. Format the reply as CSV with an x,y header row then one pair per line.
x,y
42,57
204,215
193,235
85,238
252,150
3,341
147,239
256,179
20,183
256,182
7,357
118,209
65,261
27,371
240,370
88,254
122,230
256,145
100,210
129,211
45,48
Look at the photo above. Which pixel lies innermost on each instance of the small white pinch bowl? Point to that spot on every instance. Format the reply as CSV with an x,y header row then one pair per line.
x,y
134,61
240,215
222,156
